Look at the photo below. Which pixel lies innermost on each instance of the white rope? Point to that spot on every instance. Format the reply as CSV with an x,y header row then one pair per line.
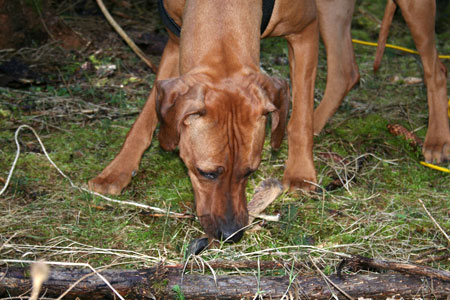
x,y
56,263
123,202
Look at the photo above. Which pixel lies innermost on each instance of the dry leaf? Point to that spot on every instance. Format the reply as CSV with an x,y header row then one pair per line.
x,y
413,80
265,193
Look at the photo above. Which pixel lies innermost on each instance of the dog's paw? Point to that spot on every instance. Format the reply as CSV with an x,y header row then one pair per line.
x,y
305,181
436,152
110,182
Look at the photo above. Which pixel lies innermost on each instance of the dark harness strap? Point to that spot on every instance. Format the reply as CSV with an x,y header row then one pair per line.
x,y
167,20
267,9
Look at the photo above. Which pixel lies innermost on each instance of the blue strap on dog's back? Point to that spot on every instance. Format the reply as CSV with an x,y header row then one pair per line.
x,y
267,9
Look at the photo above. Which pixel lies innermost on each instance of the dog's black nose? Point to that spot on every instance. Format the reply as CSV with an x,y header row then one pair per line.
x,y
231,235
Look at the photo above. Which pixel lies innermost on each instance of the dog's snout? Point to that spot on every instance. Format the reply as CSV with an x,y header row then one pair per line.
x,y
230,233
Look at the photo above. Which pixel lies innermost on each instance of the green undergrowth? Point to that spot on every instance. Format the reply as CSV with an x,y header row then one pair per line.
x,y
83,117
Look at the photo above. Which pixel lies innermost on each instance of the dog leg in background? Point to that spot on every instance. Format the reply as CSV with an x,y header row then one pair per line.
x,y
118,173
420,16
384,31
335,18
303,56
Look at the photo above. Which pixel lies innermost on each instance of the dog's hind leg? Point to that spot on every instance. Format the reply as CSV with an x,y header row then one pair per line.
x,y
335,19
118,173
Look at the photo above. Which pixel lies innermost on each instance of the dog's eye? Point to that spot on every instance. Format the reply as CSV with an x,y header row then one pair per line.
x,y
208,175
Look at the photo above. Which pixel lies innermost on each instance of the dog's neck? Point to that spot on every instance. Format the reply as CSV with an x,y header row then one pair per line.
x,y
220,38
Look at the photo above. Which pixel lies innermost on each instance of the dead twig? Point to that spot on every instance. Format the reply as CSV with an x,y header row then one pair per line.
x,y
433,259
369,263
431,251
328,280
434,221
153,215
126,38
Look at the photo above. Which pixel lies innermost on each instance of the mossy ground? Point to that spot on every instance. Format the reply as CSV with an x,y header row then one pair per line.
x,y
83,117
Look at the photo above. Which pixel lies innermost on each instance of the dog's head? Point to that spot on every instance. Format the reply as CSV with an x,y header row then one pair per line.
x,y
220,131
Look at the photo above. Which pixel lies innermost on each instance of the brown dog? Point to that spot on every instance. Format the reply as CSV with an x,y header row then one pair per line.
x,y
335,20
212,102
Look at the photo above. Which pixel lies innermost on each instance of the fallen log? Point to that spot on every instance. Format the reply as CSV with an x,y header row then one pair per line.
x,y
161,282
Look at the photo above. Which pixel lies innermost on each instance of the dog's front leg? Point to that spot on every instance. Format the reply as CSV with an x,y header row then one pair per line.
x,y
419,15
303,53
118,173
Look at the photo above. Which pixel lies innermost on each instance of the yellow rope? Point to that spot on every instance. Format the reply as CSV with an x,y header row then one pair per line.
x,y
442,169
394,47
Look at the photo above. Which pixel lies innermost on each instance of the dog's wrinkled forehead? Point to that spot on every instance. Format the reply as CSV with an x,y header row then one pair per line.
x,y
239,107
231,128
202,110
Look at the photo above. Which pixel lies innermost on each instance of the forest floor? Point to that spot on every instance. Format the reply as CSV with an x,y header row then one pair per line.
x,y
82,104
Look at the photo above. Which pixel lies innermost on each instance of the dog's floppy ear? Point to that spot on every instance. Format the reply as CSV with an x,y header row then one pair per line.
x,y
274,92
175,101
281,97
